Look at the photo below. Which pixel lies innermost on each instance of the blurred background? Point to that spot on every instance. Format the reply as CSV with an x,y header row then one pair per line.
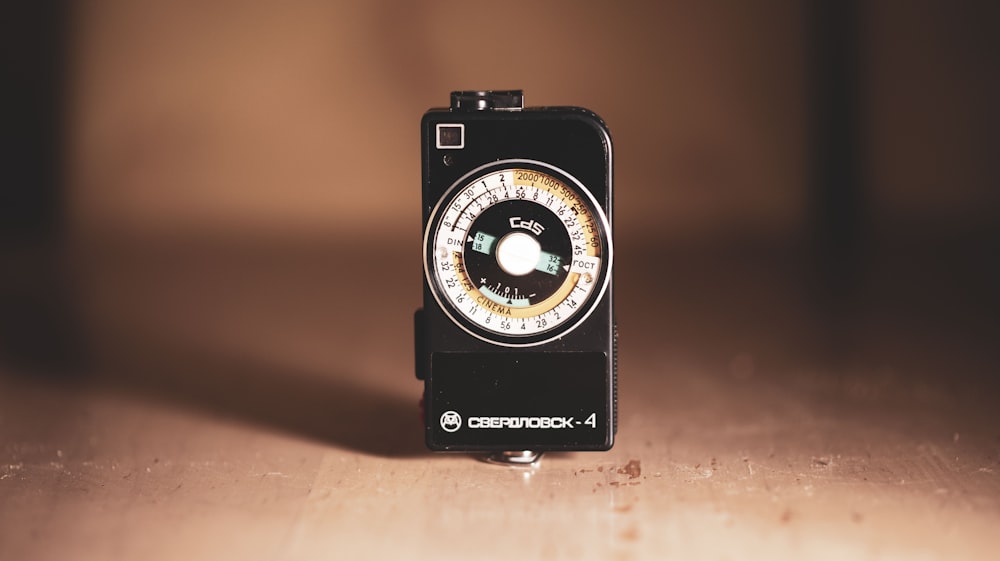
x,y
299,119
855,140
217,204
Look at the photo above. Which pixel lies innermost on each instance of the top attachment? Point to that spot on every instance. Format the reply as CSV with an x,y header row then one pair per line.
x,y
497,100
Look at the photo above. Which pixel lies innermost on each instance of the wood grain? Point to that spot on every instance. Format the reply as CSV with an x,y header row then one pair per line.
x,y
254,403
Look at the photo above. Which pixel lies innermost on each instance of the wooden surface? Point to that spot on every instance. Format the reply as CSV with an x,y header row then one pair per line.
x,y
259,403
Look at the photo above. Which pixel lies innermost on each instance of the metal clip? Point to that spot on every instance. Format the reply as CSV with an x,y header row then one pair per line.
x,y
519,458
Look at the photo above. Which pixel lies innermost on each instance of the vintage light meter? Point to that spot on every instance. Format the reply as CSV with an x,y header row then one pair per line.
x,y
516,339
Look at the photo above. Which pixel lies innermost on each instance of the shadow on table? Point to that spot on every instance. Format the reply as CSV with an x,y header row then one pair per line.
x,y
335,408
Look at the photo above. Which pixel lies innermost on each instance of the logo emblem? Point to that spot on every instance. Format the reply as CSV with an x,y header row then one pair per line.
x,y
451,421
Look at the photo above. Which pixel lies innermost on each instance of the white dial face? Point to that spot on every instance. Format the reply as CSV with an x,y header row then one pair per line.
x,y
518,252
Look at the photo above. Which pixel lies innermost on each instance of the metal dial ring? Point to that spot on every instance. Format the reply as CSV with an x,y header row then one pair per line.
x,y
517,252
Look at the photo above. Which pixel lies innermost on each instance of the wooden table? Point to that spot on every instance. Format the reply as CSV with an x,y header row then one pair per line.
x,y
255,401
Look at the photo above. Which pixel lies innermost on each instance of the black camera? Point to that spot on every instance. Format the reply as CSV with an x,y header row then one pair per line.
x,y
516,341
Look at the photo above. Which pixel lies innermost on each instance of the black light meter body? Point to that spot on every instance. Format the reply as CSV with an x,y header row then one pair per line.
x,y
516,341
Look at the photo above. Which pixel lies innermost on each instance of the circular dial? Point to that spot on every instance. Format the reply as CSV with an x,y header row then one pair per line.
x,y
517,252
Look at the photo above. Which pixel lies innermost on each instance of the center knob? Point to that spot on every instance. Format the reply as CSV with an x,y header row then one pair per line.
x,y
518,253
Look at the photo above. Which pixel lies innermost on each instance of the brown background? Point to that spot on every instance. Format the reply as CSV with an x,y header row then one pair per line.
x,y
301,117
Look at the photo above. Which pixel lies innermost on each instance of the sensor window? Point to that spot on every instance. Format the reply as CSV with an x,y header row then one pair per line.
x,y
451,136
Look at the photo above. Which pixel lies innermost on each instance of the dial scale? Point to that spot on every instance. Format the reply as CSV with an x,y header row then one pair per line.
x,y
517,252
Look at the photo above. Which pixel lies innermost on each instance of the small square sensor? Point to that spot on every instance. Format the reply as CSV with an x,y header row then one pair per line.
x,y
450,136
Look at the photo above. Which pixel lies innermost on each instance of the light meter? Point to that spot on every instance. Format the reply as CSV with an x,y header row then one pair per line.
x,y
516,340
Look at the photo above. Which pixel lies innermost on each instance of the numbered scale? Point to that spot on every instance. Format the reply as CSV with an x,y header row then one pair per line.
x,y
517,253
